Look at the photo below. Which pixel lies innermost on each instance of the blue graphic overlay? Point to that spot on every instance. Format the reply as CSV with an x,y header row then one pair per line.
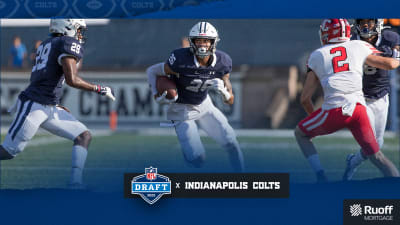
x,y
51,8
94,8
137,7
195,9
9,8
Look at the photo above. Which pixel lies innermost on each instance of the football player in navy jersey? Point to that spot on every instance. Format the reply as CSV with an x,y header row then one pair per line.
x,y
195,70
38,105
376,82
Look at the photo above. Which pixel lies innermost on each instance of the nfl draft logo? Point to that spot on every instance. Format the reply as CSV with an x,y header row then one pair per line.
x,y
151,186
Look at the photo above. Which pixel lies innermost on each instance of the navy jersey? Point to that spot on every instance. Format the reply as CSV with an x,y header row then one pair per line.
x,y
376,82
47,75
193,80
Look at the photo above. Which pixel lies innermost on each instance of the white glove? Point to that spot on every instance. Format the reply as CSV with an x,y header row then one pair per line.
x,y
163,100
105,91
218,85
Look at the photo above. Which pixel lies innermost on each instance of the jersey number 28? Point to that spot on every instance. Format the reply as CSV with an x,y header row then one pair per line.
x,y
341,58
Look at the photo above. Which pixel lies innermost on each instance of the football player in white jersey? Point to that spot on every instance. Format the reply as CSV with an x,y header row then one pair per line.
x,y
338,67
195,70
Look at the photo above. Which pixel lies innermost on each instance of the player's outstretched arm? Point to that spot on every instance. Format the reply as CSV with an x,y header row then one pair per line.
x,y
228,87
309,88
152,73
72,79
71,75
380,62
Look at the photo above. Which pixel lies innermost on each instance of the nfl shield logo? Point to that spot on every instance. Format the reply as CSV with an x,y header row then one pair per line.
x,y
150,185
151,173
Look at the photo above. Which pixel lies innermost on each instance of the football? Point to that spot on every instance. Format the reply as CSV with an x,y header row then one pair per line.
x,y
166,84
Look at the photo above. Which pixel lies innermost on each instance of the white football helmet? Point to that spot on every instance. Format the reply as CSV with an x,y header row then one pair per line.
x,y
68,27
203,30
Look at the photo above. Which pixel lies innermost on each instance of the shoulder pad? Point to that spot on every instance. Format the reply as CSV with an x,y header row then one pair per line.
x,y
391,37
71,46
225,60
177,56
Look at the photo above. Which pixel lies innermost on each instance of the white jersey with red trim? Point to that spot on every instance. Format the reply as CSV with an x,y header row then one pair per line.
x,y
339,68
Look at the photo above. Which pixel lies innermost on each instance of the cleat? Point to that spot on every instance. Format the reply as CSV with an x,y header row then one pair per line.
x,y
349,172
321,178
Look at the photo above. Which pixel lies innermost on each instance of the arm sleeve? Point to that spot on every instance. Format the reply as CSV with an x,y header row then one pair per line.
x,y
152,73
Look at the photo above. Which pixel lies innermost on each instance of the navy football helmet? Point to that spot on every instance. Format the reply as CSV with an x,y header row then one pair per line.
x,y
375,27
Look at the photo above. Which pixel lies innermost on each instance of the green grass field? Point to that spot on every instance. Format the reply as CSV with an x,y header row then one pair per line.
x,y
46,163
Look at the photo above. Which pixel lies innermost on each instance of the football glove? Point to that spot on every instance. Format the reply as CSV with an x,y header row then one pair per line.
x,y
161,99
387,51
105,91
218,85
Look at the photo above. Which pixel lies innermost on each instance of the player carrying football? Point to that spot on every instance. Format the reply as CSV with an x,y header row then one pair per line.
x,y
376,82
338,67
195,70
38,105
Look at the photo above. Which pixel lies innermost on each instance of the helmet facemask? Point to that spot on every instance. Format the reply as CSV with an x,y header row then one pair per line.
x,y
81,35
202,52
368,32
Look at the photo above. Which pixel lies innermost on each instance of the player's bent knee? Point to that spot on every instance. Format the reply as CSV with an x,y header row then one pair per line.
x,y
83,139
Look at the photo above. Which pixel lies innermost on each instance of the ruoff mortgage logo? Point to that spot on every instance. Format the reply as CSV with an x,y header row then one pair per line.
x,y
376,211
356,210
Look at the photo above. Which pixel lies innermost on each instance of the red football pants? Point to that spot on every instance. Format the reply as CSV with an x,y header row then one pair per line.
x,y
323,122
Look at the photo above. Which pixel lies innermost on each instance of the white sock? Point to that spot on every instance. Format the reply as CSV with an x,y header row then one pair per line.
x,y
314,162
357,160
79,154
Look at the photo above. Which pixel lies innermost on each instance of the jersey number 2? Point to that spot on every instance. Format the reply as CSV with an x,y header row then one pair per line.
x,y
42,55
339,58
